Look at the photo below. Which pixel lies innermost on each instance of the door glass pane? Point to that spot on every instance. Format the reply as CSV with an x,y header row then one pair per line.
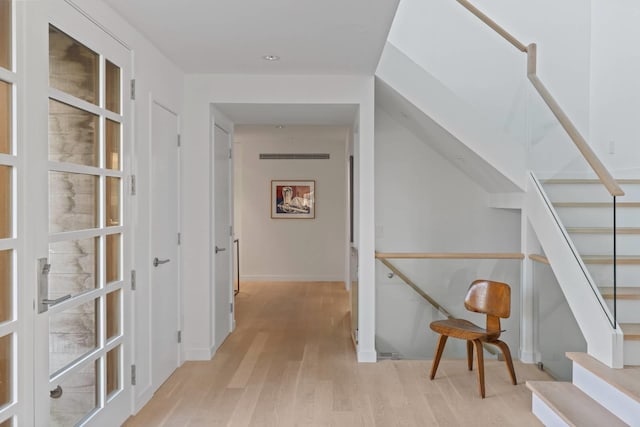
x,y
5,369
72,201
112,145
73,267
73,135
112,87
112,201
78,398
73,67
6,285
5,202
72,333
5,34
113,258
113,314
113,370
5,117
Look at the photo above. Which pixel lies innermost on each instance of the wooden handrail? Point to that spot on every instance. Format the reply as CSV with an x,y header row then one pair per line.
x,y
448,255
490,22
585,149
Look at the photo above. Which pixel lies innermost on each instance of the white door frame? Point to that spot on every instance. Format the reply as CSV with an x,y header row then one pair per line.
x,y
219,120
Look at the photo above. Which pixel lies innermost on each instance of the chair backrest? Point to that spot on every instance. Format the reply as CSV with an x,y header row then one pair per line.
x,y
491,298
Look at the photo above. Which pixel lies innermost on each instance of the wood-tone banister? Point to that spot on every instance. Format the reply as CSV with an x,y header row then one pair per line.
x,y
493,24
581,144
449,255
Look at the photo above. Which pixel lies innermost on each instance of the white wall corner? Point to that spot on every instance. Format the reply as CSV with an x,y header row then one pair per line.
x,y
506,200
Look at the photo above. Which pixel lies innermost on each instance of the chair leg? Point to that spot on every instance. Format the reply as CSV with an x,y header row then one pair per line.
x,y
470,355
436,360
480,360
507,359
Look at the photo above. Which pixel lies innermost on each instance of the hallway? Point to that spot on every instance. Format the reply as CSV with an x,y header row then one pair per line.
x,y
291,362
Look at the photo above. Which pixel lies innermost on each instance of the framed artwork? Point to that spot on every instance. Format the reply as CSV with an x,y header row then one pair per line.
x,y
293,199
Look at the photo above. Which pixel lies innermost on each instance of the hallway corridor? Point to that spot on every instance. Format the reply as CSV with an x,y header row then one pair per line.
x,y
291,362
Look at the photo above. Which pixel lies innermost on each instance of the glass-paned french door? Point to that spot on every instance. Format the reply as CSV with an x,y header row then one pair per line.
x,y
9,325
83,297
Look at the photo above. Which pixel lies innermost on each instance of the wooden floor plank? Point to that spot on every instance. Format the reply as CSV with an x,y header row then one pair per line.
x,y
291,362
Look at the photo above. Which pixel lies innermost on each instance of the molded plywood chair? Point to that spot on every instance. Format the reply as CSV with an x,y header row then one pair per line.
x,y
492,299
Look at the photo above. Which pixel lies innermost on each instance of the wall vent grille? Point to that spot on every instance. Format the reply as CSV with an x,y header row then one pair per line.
x,y
294,156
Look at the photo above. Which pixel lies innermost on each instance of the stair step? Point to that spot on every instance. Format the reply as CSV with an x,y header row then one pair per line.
x,y
608,259
587,181
631,332
596,204
603,230
623,292
572,405
596,259
625,380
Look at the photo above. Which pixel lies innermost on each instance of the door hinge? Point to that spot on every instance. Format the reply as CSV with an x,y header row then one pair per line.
x,y
179,238
356,335
231,307
133,185
179,141
133,89
133,280
231,230
133,374
230,153
179,337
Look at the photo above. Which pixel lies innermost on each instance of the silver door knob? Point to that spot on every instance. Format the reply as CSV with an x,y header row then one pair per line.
x,y
220,249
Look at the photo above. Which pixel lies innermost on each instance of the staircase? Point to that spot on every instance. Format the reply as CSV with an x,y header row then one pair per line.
x,y
598,396
586,211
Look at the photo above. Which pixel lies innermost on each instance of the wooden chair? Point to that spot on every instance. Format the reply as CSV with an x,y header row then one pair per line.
x,y
493,299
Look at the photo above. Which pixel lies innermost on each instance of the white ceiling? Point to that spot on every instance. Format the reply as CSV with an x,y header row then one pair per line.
x,y
290,114
232,36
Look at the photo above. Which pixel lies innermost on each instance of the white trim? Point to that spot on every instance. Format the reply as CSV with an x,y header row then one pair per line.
x,y
199,353
8,160
8,244
65,98
292,278
545,414
8,327
8,76
9,411
85,234
367,356
85,170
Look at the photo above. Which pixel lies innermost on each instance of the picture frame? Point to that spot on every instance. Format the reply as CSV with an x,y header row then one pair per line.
x,y
293,199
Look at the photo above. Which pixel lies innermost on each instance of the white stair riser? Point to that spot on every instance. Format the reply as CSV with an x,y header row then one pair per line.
x,y
589,193
602,244
628,275
621,405
628,311
545,414
599,217
632,353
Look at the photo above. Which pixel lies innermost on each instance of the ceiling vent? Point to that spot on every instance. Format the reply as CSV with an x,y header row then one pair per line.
x,y
294,156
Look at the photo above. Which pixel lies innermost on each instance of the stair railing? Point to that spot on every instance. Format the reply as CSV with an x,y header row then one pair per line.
x,y
603,174
385,257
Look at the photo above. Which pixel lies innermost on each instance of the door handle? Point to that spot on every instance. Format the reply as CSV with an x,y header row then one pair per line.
x,y
55,301
157,262
220,249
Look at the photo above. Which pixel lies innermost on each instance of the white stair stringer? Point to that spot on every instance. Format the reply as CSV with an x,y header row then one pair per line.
x,y
491,156
604,343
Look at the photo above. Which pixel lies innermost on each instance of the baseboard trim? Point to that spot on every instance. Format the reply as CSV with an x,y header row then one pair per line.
x,y
199,353
292,278
366,356
142,399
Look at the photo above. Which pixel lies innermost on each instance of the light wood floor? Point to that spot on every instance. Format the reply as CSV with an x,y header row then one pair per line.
x,y
291,362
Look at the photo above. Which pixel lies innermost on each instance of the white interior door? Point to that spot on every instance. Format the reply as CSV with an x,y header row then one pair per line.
x,y
82,234
223,301
164,244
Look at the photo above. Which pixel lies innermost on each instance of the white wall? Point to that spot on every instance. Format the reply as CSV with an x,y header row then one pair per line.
x,y
291,249
615,87
200,92
426,204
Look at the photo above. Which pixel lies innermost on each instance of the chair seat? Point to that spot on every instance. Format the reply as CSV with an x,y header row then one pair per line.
x,y
462,329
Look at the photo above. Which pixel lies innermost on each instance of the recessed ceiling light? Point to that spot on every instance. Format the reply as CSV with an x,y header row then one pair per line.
x,y
271,57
